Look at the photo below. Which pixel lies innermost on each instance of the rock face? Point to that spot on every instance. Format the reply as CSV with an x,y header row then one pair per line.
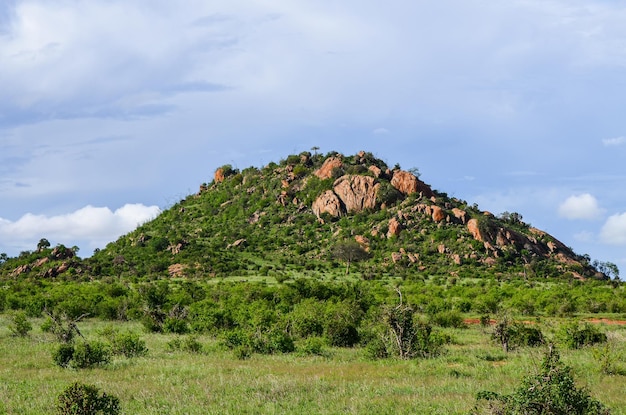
x,y
357,192
325,172
460,215
219,175
407,184
327,202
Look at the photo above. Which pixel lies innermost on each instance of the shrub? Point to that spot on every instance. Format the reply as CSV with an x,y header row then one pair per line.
x,y
128,344
314,346
63,354
82,399
90,354
575,337
186,344
19,325
448,319
551,391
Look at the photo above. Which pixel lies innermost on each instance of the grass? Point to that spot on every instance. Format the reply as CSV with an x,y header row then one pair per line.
x,y
215,382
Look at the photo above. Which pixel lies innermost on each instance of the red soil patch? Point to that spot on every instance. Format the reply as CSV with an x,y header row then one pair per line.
x,y
606,321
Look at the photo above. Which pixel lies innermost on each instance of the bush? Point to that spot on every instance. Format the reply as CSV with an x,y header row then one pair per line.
x,y
314,346
186,344
448,319
128,344
551,391
19,325
81,355
82,399
574,337
90,354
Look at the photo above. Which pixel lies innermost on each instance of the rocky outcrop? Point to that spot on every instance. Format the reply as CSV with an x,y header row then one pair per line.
x,y
460,215
325,172
176,270
407,184
219,175
327,202
474,230
356,192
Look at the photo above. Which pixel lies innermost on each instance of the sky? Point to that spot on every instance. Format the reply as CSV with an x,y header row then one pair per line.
x,y
113,110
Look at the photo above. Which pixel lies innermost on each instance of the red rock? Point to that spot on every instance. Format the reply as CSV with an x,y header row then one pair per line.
x,y
219,175
394,228
472,227
327,202
437,213
325,172
357,192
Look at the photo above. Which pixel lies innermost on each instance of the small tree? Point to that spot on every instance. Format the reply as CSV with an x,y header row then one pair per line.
x,y
349,251
43,244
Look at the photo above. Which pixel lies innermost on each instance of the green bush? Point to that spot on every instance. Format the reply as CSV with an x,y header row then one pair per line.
x,y
574,336
128,344
63,354
81,355
90,354
448,318
19,325
187,344
314,346
82,399
551,391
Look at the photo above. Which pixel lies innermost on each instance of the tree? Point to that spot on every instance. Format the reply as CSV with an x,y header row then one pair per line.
x,y
349,251
43,244
607,268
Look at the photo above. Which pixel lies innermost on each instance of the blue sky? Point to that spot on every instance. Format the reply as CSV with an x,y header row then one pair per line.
x,y
112,110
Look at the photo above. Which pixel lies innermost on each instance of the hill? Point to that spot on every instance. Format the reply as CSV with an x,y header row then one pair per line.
x,y
315,215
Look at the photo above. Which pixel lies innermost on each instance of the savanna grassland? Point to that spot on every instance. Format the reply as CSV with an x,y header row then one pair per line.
x,y
212,380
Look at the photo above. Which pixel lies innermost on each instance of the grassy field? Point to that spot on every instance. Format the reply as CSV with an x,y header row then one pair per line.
x,y
215,382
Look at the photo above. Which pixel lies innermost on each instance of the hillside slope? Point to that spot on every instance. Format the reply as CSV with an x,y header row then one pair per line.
x,y
314,215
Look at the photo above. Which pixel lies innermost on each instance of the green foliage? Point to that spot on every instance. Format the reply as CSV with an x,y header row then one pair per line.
x,y
314,346
189,344
448,318
82,354
551,391
511,334
128,344
84,399
575,336
20,326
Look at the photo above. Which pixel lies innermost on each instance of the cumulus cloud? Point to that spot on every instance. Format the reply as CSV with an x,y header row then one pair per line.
x,y
95,226
614,230
583,206
615,141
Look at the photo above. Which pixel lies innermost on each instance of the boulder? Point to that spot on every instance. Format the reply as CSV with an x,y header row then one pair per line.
x,y
396,257
407,184
375,170
325,172
437,213
460,215
474,230
219,175
394,228
363,241
327,202
356,192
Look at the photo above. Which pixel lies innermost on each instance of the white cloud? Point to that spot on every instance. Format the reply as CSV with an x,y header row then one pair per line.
x,y
616,141
380,131
95,226
583,206
614,230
